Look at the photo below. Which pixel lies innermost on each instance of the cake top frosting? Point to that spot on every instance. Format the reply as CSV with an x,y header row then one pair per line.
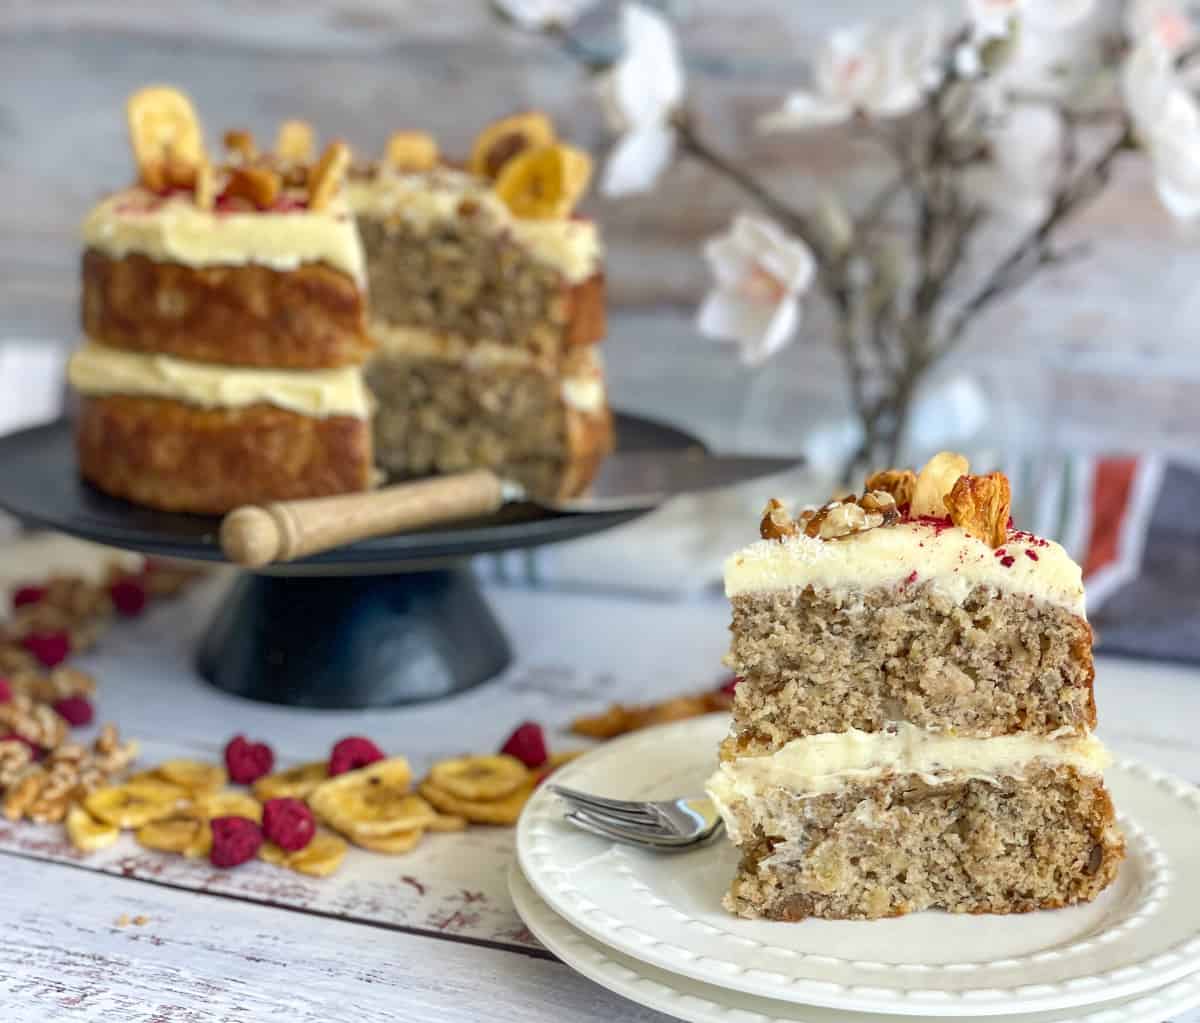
x,y
901,538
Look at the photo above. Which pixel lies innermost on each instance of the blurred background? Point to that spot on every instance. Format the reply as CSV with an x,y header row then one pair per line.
x,y
1098,358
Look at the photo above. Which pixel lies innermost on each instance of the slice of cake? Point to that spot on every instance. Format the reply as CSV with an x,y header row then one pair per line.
x,y
912,726
487,301
225,315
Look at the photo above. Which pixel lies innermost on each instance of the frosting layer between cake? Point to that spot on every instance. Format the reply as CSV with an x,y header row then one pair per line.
x,y
570,246
100,370
173,229
920,552
827,762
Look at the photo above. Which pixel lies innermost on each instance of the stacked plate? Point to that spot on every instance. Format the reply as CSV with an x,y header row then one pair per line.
x,y
651,928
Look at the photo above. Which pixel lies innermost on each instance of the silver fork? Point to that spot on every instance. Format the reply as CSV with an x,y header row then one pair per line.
x,y
667,825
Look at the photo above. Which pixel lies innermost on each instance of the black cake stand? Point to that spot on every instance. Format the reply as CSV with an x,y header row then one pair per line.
x,y
386,621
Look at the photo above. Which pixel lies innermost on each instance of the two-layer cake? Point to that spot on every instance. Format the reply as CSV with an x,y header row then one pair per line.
x,y
487,301
912,728
225,317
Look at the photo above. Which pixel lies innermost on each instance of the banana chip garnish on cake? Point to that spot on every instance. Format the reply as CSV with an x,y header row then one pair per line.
x,y
320,858
295,142
326,177
479,777
503,140
87,833
935,481
545,183
165,133
294,783
411,151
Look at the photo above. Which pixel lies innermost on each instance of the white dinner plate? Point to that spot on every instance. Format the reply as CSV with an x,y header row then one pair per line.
x,y
706,1003
1139,935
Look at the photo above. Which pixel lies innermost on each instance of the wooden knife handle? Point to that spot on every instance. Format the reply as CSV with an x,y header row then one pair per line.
x,y
258,535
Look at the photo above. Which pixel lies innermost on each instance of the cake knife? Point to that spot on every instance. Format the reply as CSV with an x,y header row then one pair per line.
x,y
258,535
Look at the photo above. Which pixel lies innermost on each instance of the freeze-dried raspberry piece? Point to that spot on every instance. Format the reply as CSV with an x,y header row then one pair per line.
x,y
352,753
730,685
527,744
76,710
128,596
51,648
289,823
5,690
247,761
234,840
24,595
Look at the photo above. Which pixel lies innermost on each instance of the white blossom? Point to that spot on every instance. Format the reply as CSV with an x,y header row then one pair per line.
x,y
876,70
1167,119
1025,141
991,19
1167,23
640,95
760,273
539,14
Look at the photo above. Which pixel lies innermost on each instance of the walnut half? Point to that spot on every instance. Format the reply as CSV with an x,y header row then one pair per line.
x,y
980,505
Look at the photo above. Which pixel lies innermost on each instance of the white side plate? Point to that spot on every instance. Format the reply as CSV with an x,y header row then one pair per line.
x,y
1141,934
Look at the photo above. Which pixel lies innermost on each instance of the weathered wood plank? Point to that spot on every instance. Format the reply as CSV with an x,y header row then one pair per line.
x,y
197,959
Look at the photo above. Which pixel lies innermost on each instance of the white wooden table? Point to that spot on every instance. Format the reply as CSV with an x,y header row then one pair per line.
x,y
136,936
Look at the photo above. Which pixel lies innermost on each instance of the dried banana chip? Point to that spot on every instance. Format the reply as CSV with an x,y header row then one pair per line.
x,y
194,775
226,803
188,836
373,800
320,858
545,183
325,178
88,834
392,845
447,822
411,151
294,783
505,139
296,142
935,481
483,777
165,134
134,803
505,810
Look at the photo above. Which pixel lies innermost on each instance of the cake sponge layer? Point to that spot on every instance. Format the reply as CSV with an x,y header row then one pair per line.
x,y
824,661
900,844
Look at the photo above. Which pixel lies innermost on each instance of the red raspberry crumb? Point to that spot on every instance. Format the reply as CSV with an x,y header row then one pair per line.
x,y
34,748
28,595
1007,561
51,648
999,552
5,690
730,685
352,753
247,761
527,744
910,578
1031,555
128,596
234,840
289,823
75,709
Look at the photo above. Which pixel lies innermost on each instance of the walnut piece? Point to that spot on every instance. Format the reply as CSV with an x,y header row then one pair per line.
x,y
980,505
880,502
839,519
897,482
259,185
240,142
935,481
776,522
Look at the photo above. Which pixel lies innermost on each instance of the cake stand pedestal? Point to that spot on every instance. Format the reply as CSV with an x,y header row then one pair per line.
x,y
387,621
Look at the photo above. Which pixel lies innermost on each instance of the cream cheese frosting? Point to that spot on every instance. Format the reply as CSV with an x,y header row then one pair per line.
x,y
914,553
174,229
569,246
828,762
582,386
100,370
